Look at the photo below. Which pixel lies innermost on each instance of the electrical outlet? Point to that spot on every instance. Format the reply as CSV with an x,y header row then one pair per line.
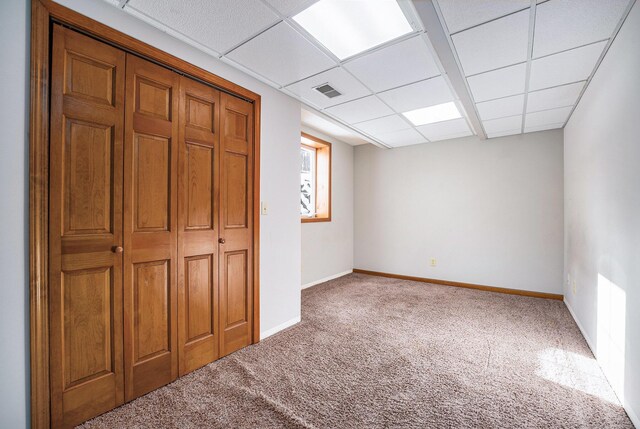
x,y
433,262
263,208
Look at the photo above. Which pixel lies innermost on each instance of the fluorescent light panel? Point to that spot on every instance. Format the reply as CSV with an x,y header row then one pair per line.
x,y
349,27
437,113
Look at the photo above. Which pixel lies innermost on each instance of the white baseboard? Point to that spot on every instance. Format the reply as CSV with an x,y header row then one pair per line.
x,y
326,279
627,406
280,327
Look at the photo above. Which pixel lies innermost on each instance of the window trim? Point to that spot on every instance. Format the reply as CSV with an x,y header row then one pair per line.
x,y
322,196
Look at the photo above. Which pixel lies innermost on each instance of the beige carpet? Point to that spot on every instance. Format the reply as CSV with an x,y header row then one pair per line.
x,y
372,352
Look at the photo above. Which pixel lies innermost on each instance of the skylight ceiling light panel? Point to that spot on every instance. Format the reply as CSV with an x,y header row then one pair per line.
x,y
432,114
349,27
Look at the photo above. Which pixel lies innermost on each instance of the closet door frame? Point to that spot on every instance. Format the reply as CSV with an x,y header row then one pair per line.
x,y
43,14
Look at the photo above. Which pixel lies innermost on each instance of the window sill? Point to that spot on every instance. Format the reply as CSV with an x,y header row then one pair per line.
x,y
315,219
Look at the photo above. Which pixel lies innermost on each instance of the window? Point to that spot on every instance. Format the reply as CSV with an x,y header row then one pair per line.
x,y
315,179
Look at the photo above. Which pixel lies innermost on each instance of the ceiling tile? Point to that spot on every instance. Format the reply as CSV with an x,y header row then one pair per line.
x,y
562,25
281,55
399,64
545,117
510,123
501,107
543,127
460,14
383,125
498,83
420,94
360,110
499,43
503,133
445,130
402,138
219,25
565,67
559,96
320,123
338,79
290,7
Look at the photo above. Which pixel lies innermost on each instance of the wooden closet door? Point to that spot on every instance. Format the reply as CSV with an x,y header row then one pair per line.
x,y
85,229
236,223
198,207
150,227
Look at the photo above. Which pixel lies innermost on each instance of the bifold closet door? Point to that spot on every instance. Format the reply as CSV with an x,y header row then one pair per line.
x,y
85,228
236,224
150,227
198,225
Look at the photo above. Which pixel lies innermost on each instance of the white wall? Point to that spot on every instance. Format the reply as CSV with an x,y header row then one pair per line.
x,y
489,211
280,229
327,247
14,206
602,213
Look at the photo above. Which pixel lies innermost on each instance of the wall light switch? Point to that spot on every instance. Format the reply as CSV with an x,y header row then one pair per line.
x,y
574,288
263,208
433,262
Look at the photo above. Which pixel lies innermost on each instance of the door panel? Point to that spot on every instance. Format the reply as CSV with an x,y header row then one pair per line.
x,y
236,286
198,225
85,272
150,228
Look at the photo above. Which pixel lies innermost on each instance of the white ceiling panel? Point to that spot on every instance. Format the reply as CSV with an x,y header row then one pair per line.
x,y
290,7
445,130
319,122
498,83
402,138
565,24
219,25
559,96
338,79
420,94
383,125
499,43
501,107
281,55
399,64
462,14
510,123
565,67
360,110
545,117
543,127
503,133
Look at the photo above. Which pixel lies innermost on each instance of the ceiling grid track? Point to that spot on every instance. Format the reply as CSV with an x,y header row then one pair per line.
x,y
532,30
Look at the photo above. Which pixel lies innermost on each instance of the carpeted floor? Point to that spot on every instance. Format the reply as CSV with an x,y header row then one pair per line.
x,y
373,352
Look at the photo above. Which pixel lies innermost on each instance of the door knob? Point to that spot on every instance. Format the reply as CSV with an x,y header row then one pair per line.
x,y
117,249
221,240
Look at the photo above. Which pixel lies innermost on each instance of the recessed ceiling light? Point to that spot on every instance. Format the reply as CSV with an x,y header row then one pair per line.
x,y
349,27
437,113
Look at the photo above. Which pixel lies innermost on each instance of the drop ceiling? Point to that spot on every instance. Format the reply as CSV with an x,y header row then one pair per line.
x,y
524,63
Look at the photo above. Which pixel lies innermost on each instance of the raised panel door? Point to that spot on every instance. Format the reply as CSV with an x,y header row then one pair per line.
x,y
198,225
236,224
150,226
85,229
